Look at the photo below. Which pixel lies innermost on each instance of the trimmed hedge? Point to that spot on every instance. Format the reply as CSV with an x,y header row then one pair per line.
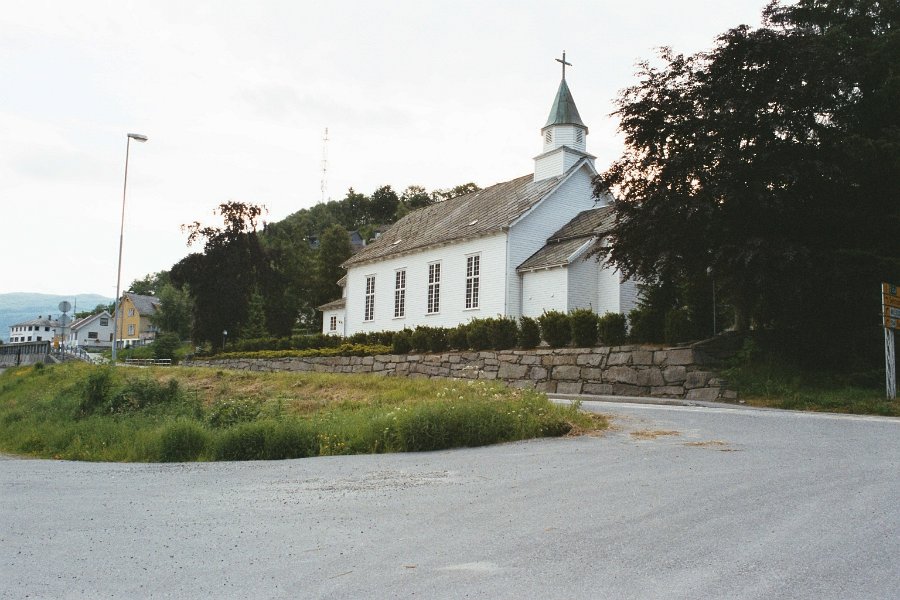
x,y
584,327
612,329
557,329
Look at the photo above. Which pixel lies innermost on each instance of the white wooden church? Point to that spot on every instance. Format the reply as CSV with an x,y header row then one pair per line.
x,y
515,248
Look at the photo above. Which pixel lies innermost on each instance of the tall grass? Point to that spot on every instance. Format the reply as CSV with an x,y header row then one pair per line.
x,y
765,378
82,412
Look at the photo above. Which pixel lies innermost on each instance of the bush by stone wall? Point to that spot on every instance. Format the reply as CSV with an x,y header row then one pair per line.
x,y
620,371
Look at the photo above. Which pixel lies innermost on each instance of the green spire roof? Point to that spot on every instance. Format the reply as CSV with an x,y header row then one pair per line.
x,y
564,111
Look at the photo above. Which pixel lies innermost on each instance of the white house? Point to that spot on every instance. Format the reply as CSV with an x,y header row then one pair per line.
x,y
94,331
515,248
42,329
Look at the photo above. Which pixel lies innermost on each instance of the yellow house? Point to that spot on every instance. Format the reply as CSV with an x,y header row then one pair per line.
x,y
134,313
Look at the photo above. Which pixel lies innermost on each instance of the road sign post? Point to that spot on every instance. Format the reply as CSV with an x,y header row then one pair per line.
x,y
890,309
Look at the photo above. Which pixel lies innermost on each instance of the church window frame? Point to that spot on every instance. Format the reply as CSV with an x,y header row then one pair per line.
x,y
473,281
332,323
548,136
369,306
434,288
400,293
579,136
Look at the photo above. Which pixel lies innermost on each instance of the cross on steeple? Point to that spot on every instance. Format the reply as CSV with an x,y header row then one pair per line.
x,y
564,63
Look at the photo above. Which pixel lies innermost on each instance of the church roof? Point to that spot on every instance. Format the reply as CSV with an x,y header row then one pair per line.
x,y
472,215
564,111
334,304
570,238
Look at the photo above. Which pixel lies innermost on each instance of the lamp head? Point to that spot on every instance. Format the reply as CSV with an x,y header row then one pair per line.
x,y
138,137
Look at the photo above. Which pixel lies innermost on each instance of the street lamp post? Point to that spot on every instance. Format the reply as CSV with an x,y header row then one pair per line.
x,y
138,138
224,337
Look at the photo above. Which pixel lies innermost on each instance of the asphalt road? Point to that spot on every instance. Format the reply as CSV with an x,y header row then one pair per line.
x,y
673,503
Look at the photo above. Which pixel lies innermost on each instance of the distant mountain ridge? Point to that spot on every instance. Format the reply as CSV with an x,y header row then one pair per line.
x,y
16,307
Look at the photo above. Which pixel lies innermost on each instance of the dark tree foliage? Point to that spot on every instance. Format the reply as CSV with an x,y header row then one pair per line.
x,y
334,249
224,277
151,284
383,205
774,160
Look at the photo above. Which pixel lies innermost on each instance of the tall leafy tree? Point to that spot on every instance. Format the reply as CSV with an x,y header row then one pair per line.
x,y
174,314
334,249
222,279
773,160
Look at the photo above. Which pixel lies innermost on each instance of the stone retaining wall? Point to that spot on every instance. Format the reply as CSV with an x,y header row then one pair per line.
x,y
620,371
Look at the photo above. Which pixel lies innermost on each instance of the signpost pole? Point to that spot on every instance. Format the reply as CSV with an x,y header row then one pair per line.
x,y
890,307
890,364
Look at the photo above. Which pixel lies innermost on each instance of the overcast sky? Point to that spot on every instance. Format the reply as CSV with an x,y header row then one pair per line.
x,y
235,98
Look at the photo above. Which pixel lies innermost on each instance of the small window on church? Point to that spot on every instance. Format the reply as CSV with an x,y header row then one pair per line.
x,y
548,137
579,136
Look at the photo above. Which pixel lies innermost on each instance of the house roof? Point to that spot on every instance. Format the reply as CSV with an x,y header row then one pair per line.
x,y
480,213
43,322
334,304
145,305
560,246
564,111
89,319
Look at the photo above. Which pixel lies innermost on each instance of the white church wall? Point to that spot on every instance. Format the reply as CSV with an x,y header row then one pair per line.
x,y
544,290
529,235
583,277
608,290
628,296
492,252
338,316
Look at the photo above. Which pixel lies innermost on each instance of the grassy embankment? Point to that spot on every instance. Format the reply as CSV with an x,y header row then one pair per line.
x,y
776,383
82,412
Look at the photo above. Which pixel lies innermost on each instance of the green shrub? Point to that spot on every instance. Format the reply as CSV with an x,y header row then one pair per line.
x,y
290,439
555,328
458,337
230,412
612,329
529,333
165,345
437,340
429,339
479,334
97,390
183,441
381,338
584,327
341,350
419,339
138,394
679,327
643,328
246,441
360,337
505,333
402,343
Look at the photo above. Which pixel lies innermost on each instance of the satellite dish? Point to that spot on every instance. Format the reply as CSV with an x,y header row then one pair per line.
x,y
64,306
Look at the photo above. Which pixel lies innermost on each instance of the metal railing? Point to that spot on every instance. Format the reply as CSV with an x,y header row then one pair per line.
x,y
148,362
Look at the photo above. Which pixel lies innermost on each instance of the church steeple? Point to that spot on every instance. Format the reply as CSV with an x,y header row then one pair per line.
x,y
564,133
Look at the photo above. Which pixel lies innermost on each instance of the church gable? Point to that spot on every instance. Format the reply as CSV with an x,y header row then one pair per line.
x,y
569,239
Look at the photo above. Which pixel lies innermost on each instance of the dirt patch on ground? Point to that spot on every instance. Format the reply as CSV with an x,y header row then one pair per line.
x,y
652,434
713,445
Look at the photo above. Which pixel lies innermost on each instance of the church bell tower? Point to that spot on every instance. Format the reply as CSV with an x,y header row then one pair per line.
x,y
564,134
